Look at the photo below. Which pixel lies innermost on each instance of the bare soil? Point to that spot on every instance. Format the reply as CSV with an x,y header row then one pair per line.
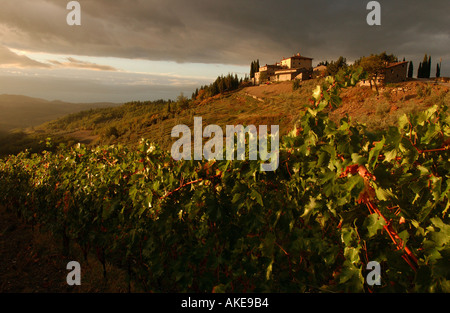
x,y
380,110
83,136
32,262
25,266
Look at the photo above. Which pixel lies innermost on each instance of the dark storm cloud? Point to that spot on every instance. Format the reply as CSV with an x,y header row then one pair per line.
x,y
229,32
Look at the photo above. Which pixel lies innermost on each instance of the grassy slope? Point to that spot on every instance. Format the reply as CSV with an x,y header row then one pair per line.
x,y
154,121
276,104
383,110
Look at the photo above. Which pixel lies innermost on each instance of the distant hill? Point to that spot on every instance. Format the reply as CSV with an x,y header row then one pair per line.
x,y
25,112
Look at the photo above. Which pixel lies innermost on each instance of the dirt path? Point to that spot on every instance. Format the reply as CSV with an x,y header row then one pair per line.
x,y
270,90
26,265
83,136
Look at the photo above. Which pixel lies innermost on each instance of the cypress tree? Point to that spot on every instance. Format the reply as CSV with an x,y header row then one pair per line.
x,y
424,66
438,70
419,71
429,67
410,69
252,70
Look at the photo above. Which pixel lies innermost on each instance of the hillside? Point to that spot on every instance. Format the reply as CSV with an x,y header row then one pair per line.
x,y
383,110
340,198
274,104
155,120
24,112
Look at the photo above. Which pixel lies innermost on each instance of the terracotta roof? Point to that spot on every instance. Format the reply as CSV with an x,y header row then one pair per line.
x,y
396,64
297,57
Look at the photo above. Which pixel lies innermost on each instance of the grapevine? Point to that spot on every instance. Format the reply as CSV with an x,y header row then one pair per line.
x,y
342,197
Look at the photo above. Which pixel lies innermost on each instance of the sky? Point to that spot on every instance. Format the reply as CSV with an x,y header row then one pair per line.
x,y
128,50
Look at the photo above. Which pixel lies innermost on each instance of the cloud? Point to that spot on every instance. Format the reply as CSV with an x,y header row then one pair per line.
x,y
74,63
11,59
229,32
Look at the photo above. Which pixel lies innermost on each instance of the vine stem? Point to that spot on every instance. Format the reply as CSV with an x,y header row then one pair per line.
x,y
367,197
434,150
409,257
282,249
187,184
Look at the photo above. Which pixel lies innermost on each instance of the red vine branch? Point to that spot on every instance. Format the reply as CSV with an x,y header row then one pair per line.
x,y
367,197
189,183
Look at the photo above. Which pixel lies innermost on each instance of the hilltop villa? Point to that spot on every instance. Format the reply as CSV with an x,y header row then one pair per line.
x,y
295,67
300,67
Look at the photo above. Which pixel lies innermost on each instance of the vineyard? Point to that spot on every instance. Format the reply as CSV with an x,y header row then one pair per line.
x,y
341,198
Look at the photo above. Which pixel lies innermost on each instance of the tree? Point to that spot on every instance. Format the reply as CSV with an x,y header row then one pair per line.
x,y
195,94
420,71
389,58
375,66
221,85
438,70
334,66
410,69
182,101
429,67
425,69
254,68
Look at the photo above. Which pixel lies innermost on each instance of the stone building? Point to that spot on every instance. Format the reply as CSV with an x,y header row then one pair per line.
x,y
297,61
396,72
295,67
393,73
